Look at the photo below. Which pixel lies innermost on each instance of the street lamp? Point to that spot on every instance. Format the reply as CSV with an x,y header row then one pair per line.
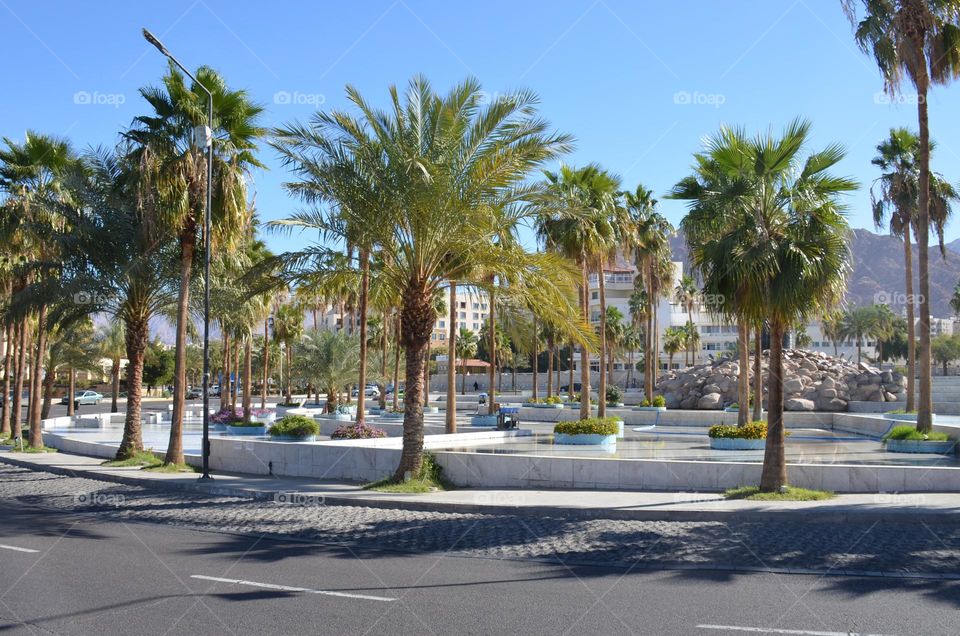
x,y
204,135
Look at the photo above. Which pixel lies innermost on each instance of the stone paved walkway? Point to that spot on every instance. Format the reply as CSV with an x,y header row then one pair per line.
x,y
875,548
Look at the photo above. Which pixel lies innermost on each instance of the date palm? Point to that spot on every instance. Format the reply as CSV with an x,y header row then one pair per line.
x,y
768,237
859,324
174,172
686,293
916,41
113,346
449,168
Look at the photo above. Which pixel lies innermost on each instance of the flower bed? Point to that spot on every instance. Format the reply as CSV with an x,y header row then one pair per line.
x,y
593,431
659,403
752,436
358,431
552,402
295,428
907,439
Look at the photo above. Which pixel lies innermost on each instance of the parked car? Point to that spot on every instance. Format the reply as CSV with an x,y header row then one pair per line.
x,y
25,397
194,393
214,390
371,390
566,388
84,397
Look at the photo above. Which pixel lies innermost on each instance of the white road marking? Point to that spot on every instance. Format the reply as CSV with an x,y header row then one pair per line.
x,y
16,549
287,588
773,630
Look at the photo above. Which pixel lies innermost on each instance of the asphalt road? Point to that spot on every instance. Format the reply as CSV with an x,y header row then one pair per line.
x,y
72,573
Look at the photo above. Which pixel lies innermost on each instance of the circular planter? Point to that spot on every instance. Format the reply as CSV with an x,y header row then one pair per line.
x,y
660,409
615,405
373,411
293,438
247,430
920,446
483,420
431,409
584,439
620,432
390,415
736,443
270,418
220,427
572,405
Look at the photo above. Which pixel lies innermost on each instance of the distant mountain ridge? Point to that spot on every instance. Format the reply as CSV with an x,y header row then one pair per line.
x,y
878,271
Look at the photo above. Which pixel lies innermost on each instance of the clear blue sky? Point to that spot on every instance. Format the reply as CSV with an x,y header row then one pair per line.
x,y
610,72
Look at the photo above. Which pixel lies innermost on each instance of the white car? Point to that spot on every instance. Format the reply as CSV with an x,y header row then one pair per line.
x,y
84,397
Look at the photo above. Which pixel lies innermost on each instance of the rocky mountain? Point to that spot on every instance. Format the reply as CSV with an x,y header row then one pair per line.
x,y
878,271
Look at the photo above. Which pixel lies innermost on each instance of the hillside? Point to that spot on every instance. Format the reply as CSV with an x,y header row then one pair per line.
x,y
878,271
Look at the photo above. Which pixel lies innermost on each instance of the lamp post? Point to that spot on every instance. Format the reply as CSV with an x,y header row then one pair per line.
x,y
205,135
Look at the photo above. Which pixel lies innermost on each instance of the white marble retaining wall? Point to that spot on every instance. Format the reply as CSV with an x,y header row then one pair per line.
x,y
793,419
354,460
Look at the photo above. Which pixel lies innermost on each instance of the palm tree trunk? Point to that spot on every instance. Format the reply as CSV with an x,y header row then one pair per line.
x,y
925,405
288,353
743,377
492,335
417,319
235,386
225,380
584,352
463,377
36,364
451,406
49,376
774,473
758,376
24,343
9,335
426,378
396,367
570,390
175,447
247,376
71,390
550,367
115,384
137,334
266,362
602,357
534,364
364,293
911,323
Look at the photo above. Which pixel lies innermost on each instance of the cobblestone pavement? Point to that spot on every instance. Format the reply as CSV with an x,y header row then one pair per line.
x,y
866,547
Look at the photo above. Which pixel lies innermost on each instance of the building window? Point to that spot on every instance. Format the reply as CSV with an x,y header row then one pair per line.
x,y
476,305
476,316
463,305
594,295
463,315
443,324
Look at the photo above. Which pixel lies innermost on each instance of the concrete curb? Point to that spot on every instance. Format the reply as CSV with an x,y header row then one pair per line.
x,y
911,515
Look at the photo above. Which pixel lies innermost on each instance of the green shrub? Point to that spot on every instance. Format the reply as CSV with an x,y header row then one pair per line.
x,y
553,399
909,432
614,394
901,412
535,401
645,402
589,426
659,400
242,424
295,426
753,430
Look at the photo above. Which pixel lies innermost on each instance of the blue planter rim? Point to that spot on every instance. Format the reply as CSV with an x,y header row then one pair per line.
x,y
920,446
247,430
293,438
584,439
736,443
660,409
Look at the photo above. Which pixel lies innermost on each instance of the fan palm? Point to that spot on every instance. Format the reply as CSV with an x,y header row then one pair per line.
x,y
686,293
174,169
858,324
328,360
768,237
917,41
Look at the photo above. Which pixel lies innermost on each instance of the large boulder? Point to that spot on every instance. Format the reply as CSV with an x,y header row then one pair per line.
x,y
812,381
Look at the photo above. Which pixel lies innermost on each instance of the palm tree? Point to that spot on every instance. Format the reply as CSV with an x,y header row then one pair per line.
x,y
917,40
831,328
955,300
686,293
446,196
768,237
616,331
858,323
287,329
113,346
32,177
466,349
175,174
674,341
329,360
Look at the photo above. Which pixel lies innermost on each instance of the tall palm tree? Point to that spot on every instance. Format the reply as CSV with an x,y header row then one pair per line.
x,y
32,177
450,169
831,328
287,330
686,294
113,346
674,341
328,360
174,167
615,333
466,349
858,323
768,237
918,41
